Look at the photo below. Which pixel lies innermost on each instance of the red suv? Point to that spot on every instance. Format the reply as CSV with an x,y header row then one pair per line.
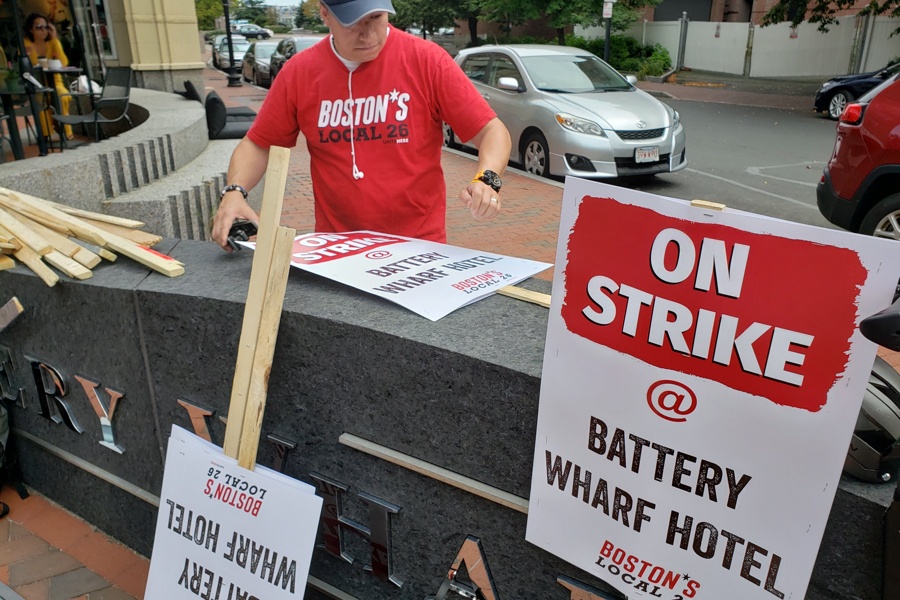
x,y
860,189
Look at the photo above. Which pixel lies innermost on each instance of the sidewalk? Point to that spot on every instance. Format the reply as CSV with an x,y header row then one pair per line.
x,y
48,553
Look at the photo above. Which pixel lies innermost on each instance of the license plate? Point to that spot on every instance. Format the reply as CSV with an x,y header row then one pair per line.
x,y
643,155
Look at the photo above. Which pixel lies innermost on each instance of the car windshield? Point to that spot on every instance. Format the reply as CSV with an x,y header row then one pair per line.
x,y
304,43
264,51
572,74
238,45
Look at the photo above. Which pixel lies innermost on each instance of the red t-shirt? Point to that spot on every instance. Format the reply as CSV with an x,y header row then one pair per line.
x,y
394,119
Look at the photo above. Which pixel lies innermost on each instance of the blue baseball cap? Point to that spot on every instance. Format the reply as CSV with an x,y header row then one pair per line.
x,y
348,12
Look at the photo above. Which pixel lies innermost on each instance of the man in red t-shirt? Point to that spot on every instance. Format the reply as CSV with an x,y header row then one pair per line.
x,y
370,101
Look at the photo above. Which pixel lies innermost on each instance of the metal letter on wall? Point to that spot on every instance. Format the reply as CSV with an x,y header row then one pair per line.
x,y
104,413
8,388
199,419
51,388
335,524
283,447
581,591
471,561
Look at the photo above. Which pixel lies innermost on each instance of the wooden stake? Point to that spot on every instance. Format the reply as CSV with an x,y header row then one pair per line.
x,y
526,295
17,229
67,265
39,210
65,246
86,214
260,274
270,318
33,261
9,312
142,238
6,262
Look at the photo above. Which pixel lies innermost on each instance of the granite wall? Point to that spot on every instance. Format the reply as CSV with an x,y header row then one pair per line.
x,y
460,393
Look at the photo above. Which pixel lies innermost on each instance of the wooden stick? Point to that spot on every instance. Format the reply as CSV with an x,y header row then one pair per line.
x,y
69,266
9,312
707,204
6,262
65,246
21,232
526,295
270,318
94,216
33,261
270,216
142,238
39,210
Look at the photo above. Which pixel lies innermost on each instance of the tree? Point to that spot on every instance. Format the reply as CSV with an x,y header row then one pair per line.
x,y
250,10
308,14
207,12
824,12
427,14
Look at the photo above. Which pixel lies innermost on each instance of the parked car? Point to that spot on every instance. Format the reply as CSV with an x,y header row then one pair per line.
x,y
836,93
217,40
221,58
570,113
860,188
252,30
287,48
255,66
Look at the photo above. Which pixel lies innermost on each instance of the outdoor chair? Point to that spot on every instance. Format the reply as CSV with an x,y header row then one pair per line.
x,y
221,125
110,107
191,93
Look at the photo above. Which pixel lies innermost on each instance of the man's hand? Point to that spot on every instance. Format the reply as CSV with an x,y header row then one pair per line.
x,y
481,200
232,207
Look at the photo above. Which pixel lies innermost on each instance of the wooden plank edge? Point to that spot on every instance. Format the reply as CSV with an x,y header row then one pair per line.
x,y
526,295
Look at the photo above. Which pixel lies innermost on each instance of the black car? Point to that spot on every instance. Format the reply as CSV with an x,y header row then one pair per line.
x,y
251,30
836,93
255,66
288,47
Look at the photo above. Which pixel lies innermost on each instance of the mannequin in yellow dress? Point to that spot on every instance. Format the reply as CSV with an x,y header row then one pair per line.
x,y
41,42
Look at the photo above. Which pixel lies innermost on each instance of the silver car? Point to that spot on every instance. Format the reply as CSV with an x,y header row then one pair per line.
x,y
222,58
570,113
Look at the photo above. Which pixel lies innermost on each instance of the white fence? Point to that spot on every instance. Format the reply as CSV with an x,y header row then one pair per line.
x,y
855,44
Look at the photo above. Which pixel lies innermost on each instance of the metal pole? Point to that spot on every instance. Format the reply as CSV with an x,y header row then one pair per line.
x,y
25,67
234,79
606,45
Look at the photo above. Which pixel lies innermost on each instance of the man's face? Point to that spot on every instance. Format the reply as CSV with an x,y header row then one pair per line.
x,y
361,42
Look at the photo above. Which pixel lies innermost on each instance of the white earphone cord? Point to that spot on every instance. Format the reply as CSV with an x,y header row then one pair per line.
x,y
357,174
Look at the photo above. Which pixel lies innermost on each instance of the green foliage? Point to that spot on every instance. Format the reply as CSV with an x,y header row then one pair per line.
x,y
626,54
825,12
207,11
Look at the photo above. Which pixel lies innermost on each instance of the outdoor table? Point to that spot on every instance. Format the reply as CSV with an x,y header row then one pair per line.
x,y
9,90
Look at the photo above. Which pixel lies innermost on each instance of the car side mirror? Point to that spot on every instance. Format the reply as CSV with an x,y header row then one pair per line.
x,y
631,79
509,83
883,327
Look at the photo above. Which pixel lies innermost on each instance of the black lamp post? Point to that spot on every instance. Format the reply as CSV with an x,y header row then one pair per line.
x,y
234,80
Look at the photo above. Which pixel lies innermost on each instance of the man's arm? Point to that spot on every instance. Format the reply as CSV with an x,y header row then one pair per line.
x,y
494,146
247,166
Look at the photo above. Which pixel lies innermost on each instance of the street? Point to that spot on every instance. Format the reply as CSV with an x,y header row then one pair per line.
x,y
759,160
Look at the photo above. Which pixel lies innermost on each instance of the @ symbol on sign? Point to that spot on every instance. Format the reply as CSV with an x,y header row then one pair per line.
x,y
378,254
671,400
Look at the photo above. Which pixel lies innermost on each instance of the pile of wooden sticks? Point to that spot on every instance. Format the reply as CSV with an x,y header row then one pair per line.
x,y
42,234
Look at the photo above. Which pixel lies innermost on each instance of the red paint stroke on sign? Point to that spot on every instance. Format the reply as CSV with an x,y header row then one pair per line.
x,y
783,333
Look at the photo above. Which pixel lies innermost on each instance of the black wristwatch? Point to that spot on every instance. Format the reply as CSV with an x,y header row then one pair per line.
x,y
490,178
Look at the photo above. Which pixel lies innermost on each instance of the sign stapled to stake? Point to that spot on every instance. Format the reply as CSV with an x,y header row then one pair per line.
x,y
707,204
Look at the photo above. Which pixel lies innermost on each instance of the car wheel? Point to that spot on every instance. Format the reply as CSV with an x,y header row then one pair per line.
x,y
449,138
536,155
884,219
838,103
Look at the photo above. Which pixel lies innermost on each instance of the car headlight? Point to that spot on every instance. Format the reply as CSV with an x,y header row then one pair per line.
x,y
579,125
827,84
676,118
262,68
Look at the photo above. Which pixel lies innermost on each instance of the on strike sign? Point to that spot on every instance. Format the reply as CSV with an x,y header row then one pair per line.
x,y
702,376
